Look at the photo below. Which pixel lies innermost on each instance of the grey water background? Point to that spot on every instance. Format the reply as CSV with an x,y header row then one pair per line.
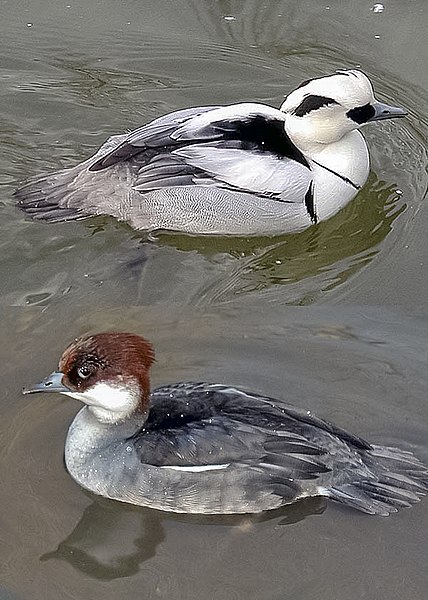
x,y
334,318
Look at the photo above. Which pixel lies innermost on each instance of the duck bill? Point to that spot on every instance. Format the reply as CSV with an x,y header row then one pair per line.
x,y
51,383
385,111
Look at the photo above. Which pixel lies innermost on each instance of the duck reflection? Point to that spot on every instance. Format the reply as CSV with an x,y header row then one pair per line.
x,y
113,540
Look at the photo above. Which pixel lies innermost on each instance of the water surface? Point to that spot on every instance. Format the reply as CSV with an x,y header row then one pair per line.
x,y
334,318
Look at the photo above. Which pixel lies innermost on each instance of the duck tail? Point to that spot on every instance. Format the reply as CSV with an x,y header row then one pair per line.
x,y
52,198
399,480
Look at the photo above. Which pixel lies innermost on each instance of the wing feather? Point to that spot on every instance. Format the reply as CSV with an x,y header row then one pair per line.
x,y
155,134
253,171
210,425
243,147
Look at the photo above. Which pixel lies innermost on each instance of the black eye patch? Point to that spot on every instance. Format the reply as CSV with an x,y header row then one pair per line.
x,y
312,102
361,114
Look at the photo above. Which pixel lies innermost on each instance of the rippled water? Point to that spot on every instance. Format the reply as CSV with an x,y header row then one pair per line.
x,y
334,318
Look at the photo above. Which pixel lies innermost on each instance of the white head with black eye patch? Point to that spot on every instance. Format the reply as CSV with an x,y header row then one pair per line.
x,y
323,110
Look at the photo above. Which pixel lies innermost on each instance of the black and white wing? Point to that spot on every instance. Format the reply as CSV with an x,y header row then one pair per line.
x,y
153,135
214,170
242,147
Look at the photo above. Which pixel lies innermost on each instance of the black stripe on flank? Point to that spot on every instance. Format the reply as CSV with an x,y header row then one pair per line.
x,y
342,177
309,203
361,114
268,135
312,102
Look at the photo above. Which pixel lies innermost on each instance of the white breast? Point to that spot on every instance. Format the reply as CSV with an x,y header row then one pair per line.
x,y
332,165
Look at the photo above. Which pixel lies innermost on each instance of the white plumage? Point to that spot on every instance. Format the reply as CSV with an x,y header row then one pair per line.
x,y
243,169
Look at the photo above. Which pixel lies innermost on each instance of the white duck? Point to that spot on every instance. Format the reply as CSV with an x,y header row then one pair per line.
x,y
244,169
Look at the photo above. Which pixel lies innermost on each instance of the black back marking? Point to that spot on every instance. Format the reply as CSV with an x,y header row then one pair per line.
x,y
312,102
361,114
265,134
254,133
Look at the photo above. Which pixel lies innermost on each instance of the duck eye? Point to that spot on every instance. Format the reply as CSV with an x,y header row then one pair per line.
x,y
84,371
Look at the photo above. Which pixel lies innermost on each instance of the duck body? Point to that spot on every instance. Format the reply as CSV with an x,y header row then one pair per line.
x,y
200,451
243,169
214,449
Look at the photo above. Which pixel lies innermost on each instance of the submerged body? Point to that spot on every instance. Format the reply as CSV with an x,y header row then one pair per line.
x,y
243,169
209,448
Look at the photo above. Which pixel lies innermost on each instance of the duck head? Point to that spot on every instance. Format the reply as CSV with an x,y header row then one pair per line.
x,y
108,371
323,110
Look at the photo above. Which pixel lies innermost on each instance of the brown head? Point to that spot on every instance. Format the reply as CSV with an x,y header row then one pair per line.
x,y
107,371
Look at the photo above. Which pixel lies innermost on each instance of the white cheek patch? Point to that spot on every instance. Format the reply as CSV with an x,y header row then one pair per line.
x,y
197,469
116,399
76,396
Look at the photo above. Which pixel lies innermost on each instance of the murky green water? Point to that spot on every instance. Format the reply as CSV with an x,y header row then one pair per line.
x,y
334,318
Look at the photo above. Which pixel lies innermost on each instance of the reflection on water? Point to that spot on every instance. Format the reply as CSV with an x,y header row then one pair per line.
x,y
124,266
113,540
323,256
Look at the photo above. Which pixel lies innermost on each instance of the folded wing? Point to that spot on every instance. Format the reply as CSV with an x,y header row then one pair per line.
x,y
241,147
210,427
216,170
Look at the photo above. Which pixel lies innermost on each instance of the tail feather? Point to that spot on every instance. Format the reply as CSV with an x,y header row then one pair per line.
x,y
387,492
77,193
397,480
51,198
351,496
403,456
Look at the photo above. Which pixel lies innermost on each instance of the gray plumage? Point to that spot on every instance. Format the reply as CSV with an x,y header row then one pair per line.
x,y
181,173
253,455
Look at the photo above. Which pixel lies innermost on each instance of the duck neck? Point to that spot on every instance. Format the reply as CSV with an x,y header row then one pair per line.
x,y
88,435
347,158
96,451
